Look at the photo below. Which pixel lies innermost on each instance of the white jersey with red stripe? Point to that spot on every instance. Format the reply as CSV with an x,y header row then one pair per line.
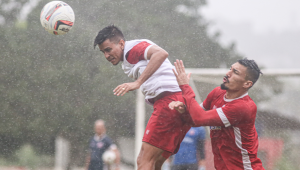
x,y
134,63
237,139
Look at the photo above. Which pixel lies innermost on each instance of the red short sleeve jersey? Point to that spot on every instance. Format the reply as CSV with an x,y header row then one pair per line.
x,y
237,138
138,52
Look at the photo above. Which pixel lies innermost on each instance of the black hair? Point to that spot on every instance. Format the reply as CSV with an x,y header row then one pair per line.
x,y
252,69
110,32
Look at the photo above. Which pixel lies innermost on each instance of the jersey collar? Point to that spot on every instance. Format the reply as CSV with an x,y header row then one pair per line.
x,y
98,138
230,100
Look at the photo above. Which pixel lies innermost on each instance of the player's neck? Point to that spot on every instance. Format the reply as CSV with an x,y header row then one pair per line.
x,y
100,135
234,94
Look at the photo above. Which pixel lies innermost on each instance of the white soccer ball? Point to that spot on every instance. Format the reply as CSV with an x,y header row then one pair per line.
x,y
109,157
57,17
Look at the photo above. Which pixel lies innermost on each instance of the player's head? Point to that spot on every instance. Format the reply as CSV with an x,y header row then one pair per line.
x,y
99,127
111,41
242,75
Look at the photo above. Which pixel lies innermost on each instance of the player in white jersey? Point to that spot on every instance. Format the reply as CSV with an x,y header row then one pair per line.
x,y
229,112
149,66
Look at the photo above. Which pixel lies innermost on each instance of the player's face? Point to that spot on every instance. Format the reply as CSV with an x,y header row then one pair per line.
x,y
112,51
99,128
235,78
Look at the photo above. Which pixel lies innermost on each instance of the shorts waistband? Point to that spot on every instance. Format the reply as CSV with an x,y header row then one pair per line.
x,y
162,95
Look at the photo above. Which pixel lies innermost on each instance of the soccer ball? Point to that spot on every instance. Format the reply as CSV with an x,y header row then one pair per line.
x,y
109,157
57,17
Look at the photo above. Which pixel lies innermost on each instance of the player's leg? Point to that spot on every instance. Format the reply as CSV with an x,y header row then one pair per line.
x,y
164,132
185,167
150,157
192,166
179,167
161,160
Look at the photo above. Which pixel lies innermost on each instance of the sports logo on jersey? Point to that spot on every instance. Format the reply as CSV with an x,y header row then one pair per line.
x,y
192,132
215,127
100,145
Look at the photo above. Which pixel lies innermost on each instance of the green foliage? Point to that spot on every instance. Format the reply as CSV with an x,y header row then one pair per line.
x,y
285,164
27,157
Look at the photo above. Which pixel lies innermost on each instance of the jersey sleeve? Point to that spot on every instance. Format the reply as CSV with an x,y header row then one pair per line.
x,y
233,113
199,116
207,102
138,52
109,141
89,143
113,146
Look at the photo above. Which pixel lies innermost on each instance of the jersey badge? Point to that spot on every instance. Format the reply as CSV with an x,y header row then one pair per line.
x,y
99,145
215,127
192,132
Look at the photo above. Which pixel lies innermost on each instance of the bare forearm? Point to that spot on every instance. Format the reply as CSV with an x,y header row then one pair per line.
x,y
155,62
87,162
118,157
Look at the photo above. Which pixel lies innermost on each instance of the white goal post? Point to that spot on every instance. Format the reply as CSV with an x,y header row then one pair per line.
x,y
205,75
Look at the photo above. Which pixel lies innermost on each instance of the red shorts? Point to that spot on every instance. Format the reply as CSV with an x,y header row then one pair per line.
x,y
166,128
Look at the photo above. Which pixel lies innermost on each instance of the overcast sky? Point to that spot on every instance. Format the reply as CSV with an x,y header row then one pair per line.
x,y
267,31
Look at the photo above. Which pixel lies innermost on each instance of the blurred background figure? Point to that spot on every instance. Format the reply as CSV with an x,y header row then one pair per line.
x,y
100,144
191,155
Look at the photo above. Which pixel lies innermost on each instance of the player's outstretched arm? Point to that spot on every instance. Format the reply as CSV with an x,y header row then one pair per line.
x,y
125,87
199,116
181,77
156,57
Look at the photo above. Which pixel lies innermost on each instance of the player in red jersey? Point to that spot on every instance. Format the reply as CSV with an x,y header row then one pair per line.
x,y
229,112
147,63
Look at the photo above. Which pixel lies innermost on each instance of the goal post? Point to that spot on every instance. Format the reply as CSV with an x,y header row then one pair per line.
x,y
139,123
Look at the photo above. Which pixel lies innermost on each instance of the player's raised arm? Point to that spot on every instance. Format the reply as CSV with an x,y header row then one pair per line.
x,y
156,56
199,116
180,74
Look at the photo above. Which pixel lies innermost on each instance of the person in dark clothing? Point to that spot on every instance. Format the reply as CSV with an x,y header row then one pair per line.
x,y
191,155
98,145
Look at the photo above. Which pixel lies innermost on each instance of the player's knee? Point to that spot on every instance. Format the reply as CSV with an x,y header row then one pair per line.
x,y
146,160
139,159
145,163
158,164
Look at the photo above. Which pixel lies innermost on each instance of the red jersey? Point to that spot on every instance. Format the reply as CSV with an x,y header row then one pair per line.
x,y
233,134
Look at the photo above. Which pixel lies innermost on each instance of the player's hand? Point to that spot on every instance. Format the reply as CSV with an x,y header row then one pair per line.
x,y
126,87
180,74
177,105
